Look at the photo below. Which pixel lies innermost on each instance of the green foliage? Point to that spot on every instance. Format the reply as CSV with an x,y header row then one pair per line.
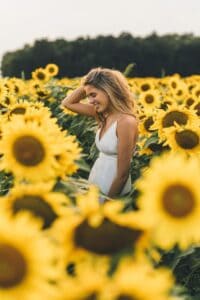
x,y
6,182
185,266
187,271
152,55
129,70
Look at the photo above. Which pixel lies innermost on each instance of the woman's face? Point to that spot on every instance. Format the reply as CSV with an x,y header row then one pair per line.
x,y
98,98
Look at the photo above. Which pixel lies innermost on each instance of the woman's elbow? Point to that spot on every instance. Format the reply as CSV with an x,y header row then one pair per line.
x,y
65,103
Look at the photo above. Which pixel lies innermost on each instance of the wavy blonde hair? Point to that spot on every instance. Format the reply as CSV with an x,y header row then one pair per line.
x,y
115,85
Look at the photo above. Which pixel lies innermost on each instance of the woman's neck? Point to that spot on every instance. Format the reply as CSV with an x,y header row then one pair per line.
x,y
111,115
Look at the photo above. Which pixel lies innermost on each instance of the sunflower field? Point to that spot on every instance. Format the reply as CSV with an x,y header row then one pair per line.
x,y
56,240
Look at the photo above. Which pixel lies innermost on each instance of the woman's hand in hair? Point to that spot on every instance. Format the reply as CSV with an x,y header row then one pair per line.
x,y
72,102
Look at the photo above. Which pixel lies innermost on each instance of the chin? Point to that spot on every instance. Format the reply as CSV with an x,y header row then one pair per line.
x,y
99,109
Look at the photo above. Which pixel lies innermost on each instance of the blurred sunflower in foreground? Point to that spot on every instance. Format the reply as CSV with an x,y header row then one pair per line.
x,y
130,277
169,193
38,200
82,233
27,260
35,152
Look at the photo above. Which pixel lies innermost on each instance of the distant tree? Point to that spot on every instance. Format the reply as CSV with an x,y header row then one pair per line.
x,y
152,55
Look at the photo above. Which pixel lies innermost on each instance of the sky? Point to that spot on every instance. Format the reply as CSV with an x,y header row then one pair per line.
x,y
24,21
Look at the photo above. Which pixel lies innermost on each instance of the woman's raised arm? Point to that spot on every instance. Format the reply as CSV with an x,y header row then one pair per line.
x,y
72,102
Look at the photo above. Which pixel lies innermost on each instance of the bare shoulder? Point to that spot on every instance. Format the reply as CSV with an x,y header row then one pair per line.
x,y
128,121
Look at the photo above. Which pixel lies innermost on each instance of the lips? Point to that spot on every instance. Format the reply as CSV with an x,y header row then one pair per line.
x,y
96,105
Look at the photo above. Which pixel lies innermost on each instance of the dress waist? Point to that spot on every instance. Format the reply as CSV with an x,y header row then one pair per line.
x,y
107,155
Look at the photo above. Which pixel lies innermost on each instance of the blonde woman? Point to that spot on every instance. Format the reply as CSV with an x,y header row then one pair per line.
x,y
111,103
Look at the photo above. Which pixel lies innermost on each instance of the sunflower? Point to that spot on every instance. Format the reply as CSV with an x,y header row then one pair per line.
x,y
41,116
38,200
3,90
26,260
129,279
145,124
32,86
146,85
174,83
31,111
150,100
189,100
196,92
41,75
179,92
29,150
196,107
17,86
42,94
184,139
10,99
83,233
88,282
52,69
174,114
66,159
169,192
18,108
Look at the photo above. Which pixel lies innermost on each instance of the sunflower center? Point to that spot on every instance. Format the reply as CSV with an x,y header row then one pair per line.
x,y
7,100
51,70
38,206
147,123
170,117
197,108
92,296
13,266
178,201
41,93
126,297
115,238
187,139
174,85
28,151
18,111
197,93
189,101
179,93
149,98
16,89
36,86
40,75
190,87
145,87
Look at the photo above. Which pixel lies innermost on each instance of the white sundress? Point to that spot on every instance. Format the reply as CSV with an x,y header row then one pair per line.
x,y
104,169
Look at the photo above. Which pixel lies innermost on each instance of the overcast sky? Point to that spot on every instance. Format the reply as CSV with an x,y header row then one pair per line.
x,y
23,21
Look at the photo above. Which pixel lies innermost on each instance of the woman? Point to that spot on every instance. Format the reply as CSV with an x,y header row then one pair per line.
x,y
111,103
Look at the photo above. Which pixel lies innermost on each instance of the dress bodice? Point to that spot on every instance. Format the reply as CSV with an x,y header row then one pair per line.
x,y
104,169
108,142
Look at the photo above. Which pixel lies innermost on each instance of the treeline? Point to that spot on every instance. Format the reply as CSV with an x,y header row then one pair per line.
x,y
152,55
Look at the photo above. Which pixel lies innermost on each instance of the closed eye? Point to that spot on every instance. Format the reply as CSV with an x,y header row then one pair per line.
x,y
92,95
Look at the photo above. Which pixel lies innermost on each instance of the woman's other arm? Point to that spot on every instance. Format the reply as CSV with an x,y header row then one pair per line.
x,y
72,102
127,132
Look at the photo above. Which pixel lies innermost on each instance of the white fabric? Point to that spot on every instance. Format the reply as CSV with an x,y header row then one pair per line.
x,y
104,169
